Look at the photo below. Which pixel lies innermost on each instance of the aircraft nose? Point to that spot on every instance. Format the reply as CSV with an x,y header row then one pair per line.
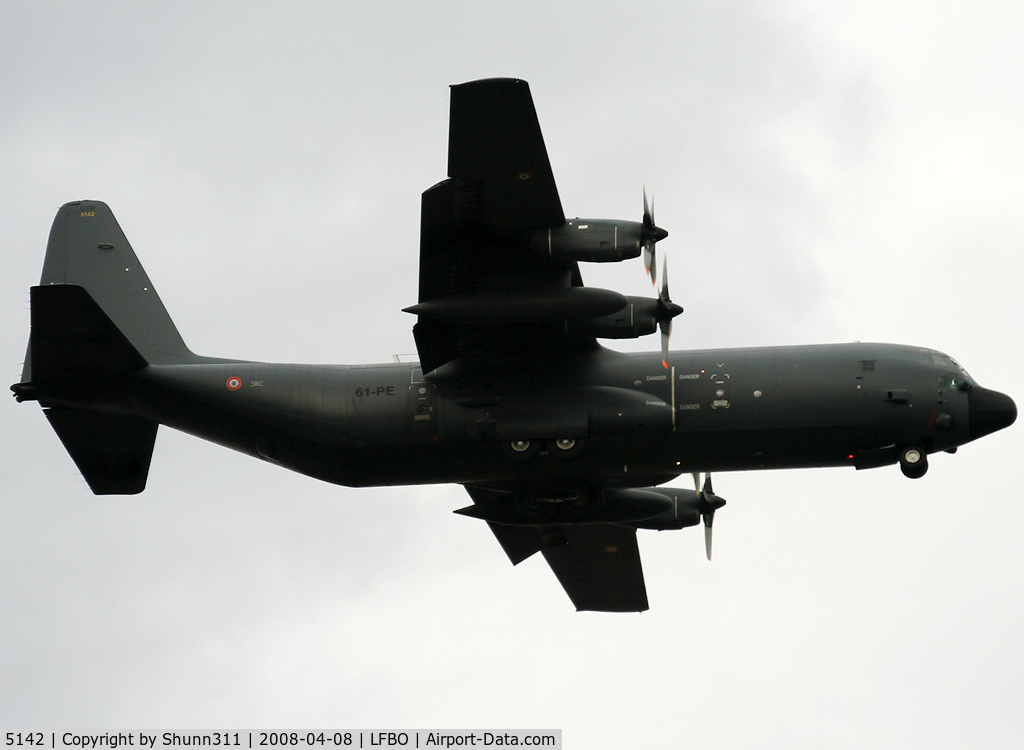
x,y
988,411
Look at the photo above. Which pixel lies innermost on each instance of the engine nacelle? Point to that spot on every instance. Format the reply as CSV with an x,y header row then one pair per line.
x,y
637,318
622,506
684,511
546,306
592,240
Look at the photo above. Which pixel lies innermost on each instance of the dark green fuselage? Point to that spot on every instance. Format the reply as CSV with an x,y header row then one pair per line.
x,y
636,422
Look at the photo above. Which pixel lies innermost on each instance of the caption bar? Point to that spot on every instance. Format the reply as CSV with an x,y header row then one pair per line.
x,y
342,738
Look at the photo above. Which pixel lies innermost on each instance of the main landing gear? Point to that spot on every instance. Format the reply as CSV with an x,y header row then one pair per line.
x,y
565,447
523,450
913,461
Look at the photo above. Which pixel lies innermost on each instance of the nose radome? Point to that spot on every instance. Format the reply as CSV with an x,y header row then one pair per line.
x,y
988,411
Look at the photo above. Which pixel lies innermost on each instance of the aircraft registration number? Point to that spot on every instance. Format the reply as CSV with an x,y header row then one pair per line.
x,y
380,390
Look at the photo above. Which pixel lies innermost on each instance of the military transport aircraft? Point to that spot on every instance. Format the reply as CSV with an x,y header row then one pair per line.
x,y
561,443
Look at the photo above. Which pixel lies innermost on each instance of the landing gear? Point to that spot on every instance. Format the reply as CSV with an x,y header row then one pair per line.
x,y
565,447
913,461
521,450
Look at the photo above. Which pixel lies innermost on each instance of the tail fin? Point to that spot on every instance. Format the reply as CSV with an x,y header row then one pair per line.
x,y
95,318
88,249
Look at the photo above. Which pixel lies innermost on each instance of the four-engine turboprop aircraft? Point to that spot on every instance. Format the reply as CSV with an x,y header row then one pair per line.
x,y
561,443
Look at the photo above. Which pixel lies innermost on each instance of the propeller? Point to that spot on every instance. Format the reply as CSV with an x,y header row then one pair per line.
x,y
667,310
709,503
650,235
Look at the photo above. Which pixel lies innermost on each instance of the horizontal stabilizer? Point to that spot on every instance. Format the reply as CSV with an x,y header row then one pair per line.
x,y
73,337
112,451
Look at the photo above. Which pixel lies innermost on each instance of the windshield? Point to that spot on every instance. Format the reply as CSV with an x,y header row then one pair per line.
x,y
930,355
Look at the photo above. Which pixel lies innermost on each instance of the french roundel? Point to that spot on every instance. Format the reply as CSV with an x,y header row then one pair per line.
x,y
234,384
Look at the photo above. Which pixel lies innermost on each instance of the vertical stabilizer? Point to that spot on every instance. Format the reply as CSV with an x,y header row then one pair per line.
x,y
88,249
96,319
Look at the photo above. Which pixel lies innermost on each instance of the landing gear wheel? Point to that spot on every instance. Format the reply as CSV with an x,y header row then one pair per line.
x,y
521,450
565,447
913,461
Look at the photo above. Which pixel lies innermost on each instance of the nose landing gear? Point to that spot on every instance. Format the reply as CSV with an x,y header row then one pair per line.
x,y
913,461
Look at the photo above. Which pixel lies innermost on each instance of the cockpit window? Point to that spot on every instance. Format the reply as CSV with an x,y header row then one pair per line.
x,y
946,361
936,358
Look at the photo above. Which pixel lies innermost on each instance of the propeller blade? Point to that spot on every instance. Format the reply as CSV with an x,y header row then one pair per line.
x,y
663,294
666,331
650,264
709,503
651,234
666,311
648,213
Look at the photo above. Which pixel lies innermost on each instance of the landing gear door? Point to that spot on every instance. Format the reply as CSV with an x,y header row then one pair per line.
x,y
422,407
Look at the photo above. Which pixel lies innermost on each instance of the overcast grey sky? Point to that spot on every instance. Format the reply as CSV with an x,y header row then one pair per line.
x,y
826,174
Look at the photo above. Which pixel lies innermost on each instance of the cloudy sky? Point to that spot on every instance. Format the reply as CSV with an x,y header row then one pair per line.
x,y
826,173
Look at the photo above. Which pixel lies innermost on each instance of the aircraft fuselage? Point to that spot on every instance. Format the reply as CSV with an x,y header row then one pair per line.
x,y
626,419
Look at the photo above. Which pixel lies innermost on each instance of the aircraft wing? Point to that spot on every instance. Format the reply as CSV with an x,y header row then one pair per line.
x,y
475,225
496,153
598,565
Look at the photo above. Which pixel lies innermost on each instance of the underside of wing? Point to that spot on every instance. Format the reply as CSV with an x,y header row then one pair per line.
x,y
499,273
476,232
497,159
599,568
598,565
